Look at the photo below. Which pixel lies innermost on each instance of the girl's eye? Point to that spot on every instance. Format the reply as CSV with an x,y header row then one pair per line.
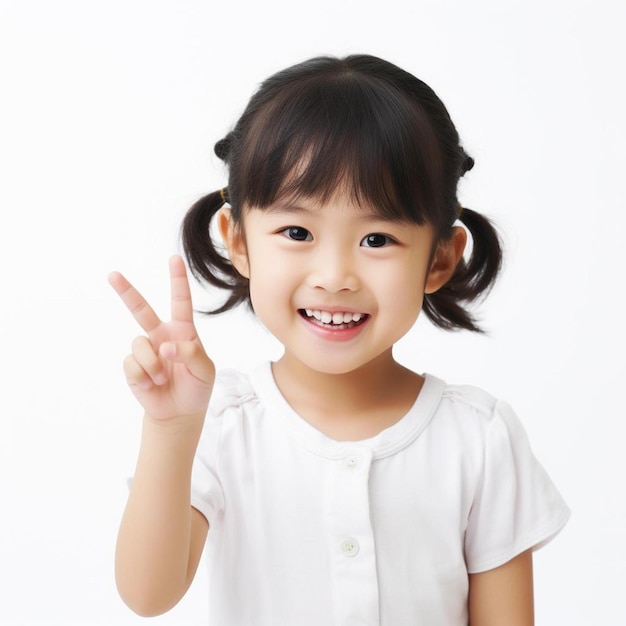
x,y
376,240
297,233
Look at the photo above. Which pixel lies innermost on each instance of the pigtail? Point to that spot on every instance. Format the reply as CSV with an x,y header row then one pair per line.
x,y
472,278
206,262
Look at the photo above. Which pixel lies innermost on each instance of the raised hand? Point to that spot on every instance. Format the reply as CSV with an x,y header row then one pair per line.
x,y
168,371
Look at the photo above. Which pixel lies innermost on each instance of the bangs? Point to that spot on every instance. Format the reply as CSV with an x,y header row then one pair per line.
x,y
347,131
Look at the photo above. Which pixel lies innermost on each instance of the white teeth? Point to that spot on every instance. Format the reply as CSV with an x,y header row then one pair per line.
x,y
338,318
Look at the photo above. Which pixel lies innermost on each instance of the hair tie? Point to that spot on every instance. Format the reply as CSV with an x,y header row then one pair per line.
x,y
459,211
224,194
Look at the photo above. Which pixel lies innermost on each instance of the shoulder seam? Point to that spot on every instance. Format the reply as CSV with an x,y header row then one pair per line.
x,y
474,397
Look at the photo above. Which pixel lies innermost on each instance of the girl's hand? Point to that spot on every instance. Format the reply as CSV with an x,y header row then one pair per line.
x,y
168,371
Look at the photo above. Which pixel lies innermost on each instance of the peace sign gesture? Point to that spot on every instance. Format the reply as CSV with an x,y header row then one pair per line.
x,y
168,371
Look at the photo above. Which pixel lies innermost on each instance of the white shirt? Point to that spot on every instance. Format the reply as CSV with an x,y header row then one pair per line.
x,y
305,530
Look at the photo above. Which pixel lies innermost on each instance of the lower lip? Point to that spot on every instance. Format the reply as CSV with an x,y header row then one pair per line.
x,y
331,333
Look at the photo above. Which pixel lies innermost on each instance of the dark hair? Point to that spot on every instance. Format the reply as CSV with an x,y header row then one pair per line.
x,y
364,123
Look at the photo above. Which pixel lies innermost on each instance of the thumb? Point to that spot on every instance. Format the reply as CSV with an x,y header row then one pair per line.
x,y
192,355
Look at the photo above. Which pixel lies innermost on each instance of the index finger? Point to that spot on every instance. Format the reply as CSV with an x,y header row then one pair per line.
x,y
135,302
182,309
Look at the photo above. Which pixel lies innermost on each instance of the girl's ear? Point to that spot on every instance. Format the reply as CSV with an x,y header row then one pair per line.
x,y
446,258
234,239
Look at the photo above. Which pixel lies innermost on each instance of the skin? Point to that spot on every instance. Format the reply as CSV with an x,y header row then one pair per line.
x,y
161,536
347,389
503,595
342,387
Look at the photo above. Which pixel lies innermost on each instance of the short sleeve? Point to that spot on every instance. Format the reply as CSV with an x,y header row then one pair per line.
x,y
516,505
206,491
230,390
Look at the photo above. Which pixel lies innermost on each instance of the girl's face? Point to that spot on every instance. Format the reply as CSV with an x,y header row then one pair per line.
x,y
336,283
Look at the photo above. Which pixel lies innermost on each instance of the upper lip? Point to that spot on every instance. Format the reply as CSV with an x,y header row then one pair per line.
x,y
334,309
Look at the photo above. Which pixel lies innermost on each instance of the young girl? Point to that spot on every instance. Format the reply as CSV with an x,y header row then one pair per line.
x,y
334,486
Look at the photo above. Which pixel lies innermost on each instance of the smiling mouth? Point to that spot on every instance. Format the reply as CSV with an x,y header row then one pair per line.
x,y
336,320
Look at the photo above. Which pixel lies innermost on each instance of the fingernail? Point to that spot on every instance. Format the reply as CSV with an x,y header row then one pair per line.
x,y
168,350
160,379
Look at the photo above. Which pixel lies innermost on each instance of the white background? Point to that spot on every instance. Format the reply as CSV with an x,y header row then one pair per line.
x,y
108,115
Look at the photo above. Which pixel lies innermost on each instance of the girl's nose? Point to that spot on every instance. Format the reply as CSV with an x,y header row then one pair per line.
x,y
333,272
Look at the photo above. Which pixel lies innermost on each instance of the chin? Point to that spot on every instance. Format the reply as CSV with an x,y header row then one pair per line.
x,y
333,364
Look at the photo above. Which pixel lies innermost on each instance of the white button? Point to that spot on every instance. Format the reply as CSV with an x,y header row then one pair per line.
x,y
350,547
350,462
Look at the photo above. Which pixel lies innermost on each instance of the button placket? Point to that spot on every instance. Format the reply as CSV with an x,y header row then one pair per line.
x,y
352,551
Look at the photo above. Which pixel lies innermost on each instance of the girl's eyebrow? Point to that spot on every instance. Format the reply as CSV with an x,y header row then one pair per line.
x,y
366,215
288,208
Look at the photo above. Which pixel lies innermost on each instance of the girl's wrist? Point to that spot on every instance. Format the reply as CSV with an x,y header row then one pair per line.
x,y
182,429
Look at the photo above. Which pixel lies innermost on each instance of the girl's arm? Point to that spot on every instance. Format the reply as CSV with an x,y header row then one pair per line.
x,y
161,536
503,595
